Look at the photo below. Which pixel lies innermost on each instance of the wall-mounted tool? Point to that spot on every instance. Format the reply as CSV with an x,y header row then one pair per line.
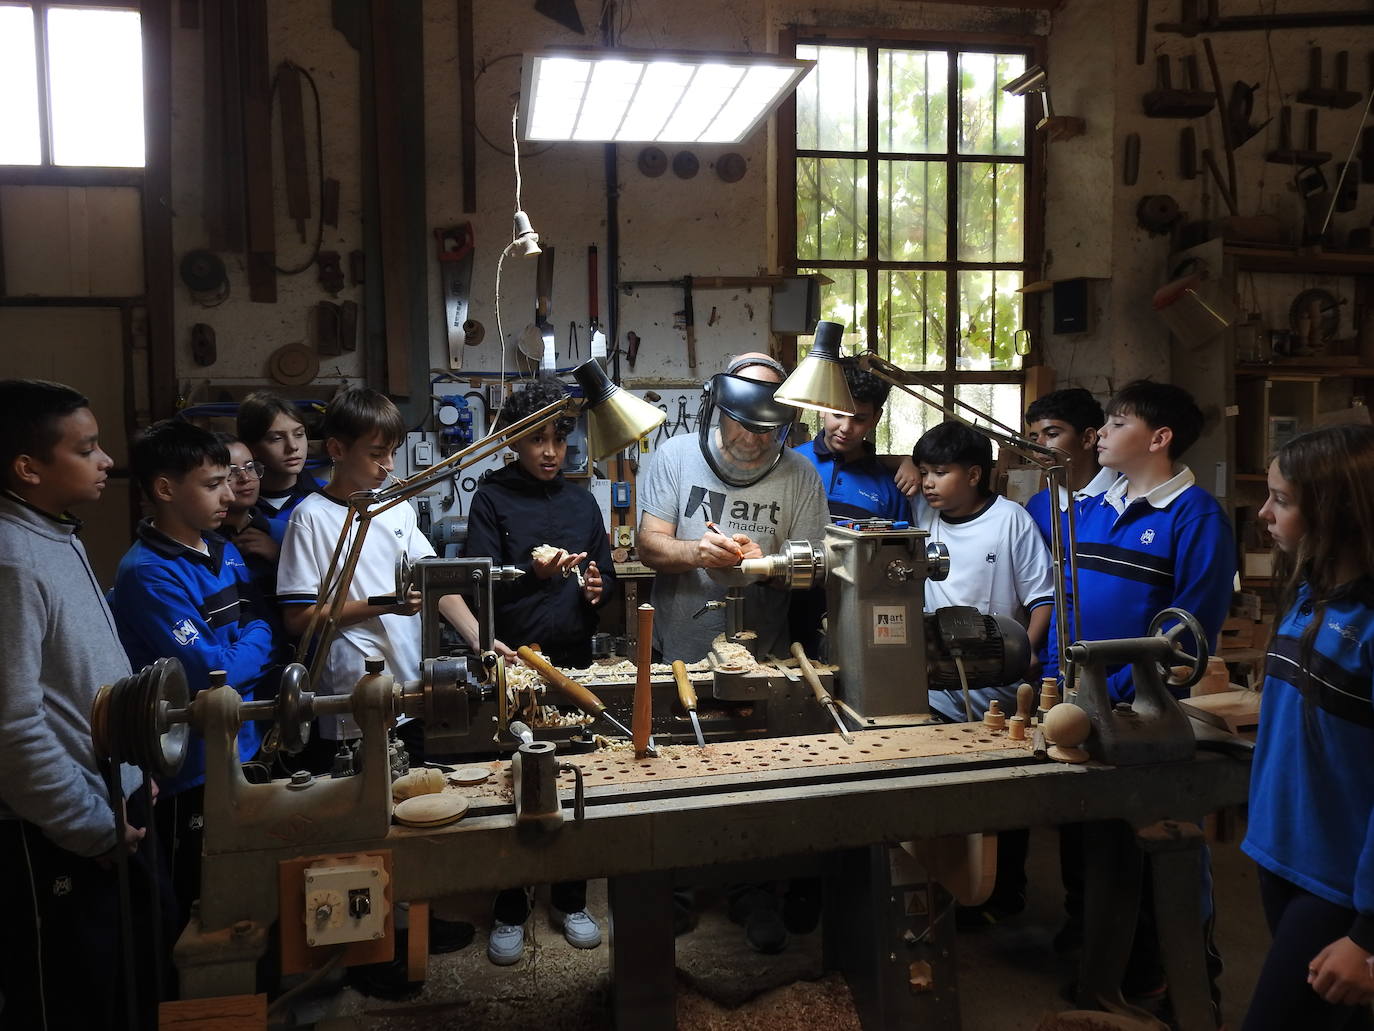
x,y
203,344
1187,153
327,318
1286,153
1339,96
329,273
593,291
686,164
203,273
1130,160
454,249
1239,110
731,167
1156,213
1164,101
631,348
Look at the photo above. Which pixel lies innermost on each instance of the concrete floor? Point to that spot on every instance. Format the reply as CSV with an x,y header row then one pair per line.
x,y
1009,976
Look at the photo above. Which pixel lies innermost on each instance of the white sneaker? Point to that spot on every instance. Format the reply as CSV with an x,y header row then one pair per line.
x,y
581,931
506,944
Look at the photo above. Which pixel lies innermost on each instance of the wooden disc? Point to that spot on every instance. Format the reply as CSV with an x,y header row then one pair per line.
x,y
293,365
431,810
469,775
1061,754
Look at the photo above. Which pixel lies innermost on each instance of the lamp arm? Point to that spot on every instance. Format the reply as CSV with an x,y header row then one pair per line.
x,y
1052,461
1003,434
366,505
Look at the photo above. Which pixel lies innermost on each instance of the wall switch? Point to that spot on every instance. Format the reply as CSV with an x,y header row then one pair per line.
x,y
424,454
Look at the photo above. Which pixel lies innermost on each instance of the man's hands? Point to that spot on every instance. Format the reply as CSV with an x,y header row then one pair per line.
x,y
1342,974
908,477
592,583
255,542
717,551
129,845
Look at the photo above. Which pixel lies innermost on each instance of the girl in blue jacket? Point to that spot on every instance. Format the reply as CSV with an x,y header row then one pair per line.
x,y
1312,789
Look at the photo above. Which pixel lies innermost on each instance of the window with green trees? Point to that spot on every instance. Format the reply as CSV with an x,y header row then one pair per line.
x,y
911,186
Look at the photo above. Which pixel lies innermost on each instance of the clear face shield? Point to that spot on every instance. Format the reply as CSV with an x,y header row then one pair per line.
x,y
742,430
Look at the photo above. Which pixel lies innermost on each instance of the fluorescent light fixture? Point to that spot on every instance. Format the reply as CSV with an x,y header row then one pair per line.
x,y
651,96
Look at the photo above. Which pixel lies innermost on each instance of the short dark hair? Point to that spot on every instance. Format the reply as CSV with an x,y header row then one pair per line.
x,y
1161,405
539,393
31,411
1075,406
953,443
173,447
259,410
863,385
360,412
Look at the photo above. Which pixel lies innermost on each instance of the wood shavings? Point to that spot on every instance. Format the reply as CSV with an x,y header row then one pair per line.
x,y
825,1003
548,553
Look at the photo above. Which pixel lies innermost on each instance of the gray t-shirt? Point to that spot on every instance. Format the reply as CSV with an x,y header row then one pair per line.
x,y
680,488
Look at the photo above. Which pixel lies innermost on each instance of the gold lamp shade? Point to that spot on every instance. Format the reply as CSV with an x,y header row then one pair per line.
x,y
615,417
818,382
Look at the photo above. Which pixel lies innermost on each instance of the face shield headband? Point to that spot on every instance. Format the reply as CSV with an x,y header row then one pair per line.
x,y
742,431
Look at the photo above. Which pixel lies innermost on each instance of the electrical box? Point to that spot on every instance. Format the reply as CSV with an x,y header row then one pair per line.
x,y
345,901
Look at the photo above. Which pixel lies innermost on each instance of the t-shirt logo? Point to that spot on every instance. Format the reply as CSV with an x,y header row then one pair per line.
x,y
991,558
185,632
709,502
62,885
1147,538
399,532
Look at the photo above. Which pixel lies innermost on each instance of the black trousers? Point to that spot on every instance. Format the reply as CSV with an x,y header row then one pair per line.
x,y
61,949
1301,925
513,905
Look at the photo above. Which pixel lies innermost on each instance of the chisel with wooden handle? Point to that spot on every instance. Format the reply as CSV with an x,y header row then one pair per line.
x,y
818,689
580,696
687,695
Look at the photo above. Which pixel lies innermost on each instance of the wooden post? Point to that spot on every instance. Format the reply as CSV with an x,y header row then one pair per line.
x,y
642,725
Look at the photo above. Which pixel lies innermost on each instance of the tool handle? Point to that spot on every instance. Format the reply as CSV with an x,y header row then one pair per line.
x,y
642,725
686,693
809,672
580,696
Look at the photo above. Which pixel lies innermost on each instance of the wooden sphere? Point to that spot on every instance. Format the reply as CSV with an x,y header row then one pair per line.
x,y
1068,725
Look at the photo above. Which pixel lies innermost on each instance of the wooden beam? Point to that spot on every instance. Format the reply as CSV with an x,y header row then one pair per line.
x,y
158,266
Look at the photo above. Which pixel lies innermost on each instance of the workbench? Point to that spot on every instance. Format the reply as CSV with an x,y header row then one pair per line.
x,y
649,823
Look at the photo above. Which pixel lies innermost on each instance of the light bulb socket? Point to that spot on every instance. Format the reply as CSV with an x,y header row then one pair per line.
x,y
524,239
826,343
596,385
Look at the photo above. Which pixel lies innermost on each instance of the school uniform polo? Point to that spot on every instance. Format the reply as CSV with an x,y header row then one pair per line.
x,y
1171,547
855,488
1312,785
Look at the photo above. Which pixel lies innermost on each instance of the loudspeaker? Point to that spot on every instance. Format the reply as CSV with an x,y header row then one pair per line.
x,y
1070,306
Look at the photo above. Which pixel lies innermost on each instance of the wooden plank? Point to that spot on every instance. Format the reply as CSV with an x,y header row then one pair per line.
x,y
293,146
225,1013
467,110
158,265
391,204
417,942
256,90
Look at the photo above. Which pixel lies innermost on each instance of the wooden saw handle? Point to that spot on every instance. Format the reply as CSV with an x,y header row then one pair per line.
x,y
581,696
686,694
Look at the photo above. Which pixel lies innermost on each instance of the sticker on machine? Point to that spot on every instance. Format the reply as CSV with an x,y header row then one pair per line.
x,y
889,624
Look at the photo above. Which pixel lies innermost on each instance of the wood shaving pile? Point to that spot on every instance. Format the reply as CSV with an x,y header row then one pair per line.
x,y
525,690
826,1003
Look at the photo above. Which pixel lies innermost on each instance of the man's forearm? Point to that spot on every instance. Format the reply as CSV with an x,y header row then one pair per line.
x,y
664,553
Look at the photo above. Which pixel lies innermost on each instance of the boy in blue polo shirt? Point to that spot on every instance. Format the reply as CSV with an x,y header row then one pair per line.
x,y
857,485
1152,541
184,591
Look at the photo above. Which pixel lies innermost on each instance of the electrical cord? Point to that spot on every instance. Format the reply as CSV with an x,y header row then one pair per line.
x,y
963,684
319,155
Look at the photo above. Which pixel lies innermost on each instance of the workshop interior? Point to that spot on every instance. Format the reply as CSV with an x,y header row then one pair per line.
x,y
707,223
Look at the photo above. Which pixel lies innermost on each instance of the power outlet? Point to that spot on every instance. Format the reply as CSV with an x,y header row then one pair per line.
x,y
624,537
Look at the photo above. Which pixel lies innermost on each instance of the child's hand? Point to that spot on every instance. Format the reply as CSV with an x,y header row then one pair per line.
x,y
505,651
591,583
908,478
560,563
1341,974
412,604
132,836
255,542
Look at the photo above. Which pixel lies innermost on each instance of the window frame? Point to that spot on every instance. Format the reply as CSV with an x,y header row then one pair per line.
x,y
942,383
45,173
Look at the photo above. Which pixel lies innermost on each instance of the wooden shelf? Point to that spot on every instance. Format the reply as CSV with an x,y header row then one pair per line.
x,y
1307,368
1301,260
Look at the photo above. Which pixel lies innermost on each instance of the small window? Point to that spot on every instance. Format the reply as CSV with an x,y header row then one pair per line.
x,y
71,79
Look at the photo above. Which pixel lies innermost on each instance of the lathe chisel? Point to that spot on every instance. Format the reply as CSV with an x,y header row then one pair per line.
x,y
818,689
687,695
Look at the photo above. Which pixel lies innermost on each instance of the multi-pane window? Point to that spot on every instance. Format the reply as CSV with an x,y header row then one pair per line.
x,y
71,85
911,196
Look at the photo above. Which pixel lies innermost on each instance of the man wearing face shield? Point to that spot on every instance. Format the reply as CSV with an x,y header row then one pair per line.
x,y
739,477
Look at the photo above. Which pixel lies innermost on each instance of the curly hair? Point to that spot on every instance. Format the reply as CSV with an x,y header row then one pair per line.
x,y
864,386
539,393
